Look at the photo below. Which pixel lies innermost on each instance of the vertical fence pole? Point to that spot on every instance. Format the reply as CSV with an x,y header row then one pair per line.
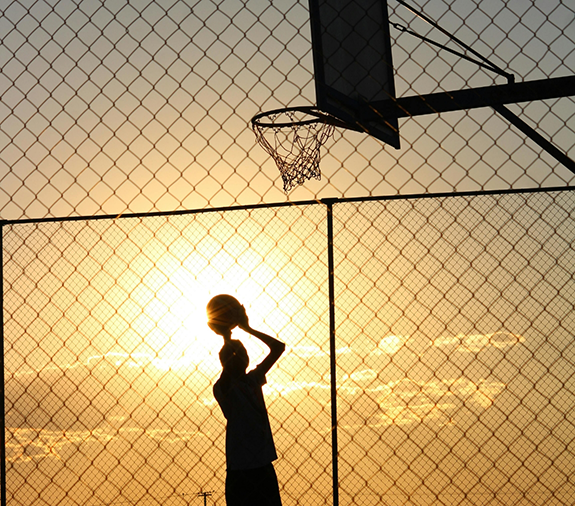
x,y
332,351
2,408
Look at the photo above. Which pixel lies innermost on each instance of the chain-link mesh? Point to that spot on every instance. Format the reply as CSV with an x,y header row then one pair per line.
x,y
110,364
454,344
455,328
111,107
454,315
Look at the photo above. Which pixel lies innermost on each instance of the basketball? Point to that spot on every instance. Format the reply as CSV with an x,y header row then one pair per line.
x,y
224,311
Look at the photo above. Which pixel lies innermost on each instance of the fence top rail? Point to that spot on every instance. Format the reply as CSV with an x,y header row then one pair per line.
x,y
325,201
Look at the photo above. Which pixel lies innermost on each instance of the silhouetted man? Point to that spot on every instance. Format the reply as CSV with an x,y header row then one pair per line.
x,y
250,479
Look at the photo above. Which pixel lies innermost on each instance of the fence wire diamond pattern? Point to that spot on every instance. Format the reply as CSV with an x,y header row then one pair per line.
x,y
454,325
113,107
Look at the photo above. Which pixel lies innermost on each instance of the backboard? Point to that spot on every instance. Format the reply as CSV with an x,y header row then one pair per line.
x,y
353,64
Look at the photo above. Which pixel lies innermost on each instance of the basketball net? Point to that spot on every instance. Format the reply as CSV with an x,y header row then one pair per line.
x,y
293,137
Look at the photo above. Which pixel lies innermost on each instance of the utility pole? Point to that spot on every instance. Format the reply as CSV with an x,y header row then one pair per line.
x,y
205,495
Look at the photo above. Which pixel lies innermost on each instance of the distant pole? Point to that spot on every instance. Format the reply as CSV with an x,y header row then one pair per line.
x,y
205,495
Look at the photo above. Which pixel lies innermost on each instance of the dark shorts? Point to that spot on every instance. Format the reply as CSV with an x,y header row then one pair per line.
x,y
253,487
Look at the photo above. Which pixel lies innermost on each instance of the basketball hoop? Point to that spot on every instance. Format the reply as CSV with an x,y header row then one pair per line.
x,y
293,137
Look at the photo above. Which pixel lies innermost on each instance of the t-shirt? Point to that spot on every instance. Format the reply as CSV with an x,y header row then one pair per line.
x,y
249,440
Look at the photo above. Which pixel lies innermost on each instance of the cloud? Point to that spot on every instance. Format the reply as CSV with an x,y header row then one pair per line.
x,y
407,401
363,375
306,352
463,343
23,445
283,389
390,345
473,343
106,396
112,359
134,407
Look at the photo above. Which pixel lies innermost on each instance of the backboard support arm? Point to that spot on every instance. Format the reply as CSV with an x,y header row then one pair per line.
x,y
492,96
472,98
536,137
489,96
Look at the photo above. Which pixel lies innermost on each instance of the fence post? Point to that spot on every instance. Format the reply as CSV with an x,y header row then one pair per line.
x,y
2,379
332,350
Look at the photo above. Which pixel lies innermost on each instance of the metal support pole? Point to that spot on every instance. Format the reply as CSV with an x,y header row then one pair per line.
x,y
3,499
471,98
332,351
536,137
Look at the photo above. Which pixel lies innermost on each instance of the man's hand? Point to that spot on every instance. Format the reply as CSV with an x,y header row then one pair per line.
x,y
243,320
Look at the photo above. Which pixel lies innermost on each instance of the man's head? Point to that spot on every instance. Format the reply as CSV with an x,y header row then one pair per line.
x,y
234,357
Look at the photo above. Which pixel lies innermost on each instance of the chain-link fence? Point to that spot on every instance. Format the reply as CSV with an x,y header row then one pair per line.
x,y
454,326
454,315
116,106
456,339
110,362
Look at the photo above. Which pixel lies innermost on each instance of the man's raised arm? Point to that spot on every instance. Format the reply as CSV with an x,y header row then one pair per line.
x,y
276,347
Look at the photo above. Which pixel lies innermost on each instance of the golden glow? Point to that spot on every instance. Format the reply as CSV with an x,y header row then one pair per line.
x,y
180,336
176,329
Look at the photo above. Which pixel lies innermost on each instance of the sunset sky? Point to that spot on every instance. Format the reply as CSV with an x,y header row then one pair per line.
x,y
121,107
